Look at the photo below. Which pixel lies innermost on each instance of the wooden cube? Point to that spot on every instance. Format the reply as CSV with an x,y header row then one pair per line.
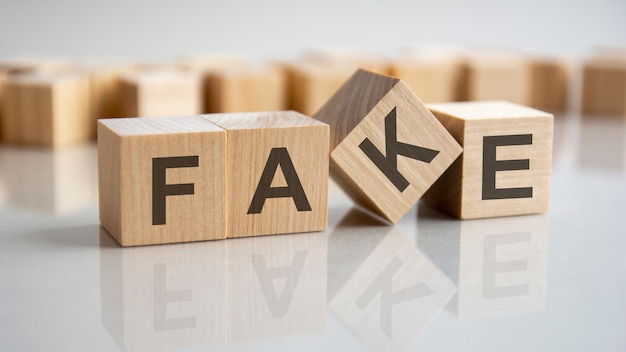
x,y
162,180
309,85
261,199
433,78
352,59
604,86
161,93
506,164
498,76
374,119
47,110
163,297
549,82
245,90
106,93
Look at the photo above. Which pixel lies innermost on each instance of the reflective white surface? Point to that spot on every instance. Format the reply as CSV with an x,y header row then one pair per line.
x,y
551,282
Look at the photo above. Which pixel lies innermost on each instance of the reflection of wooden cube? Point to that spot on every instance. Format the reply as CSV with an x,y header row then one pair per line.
x,y
549,83
161,93
506,164
498,264
58,182
498,76
47,110
276,286
374,119
245,90
604,85
162,180
263,200
386,292
163,297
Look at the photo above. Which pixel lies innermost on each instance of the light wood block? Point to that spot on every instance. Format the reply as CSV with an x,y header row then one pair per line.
x,y
161,93
162,180
208,63
498,76
309,85
47,110
106,93
245,90
352,59
506,165
604,86
549,82
261,199
374,118
433,78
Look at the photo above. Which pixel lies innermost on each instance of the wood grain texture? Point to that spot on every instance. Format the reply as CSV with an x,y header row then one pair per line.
x,y
460,191
47,110
245,90
604,85
126,148
360,111
161,93
252,138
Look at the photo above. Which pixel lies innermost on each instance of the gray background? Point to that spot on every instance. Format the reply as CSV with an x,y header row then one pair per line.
x,y
278,28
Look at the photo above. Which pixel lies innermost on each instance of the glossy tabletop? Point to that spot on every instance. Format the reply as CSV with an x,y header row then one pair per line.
x,y
550,282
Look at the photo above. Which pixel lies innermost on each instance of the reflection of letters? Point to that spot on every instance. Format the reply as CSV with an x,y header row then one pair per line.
x,y
389,298
279,305
491,267
162,297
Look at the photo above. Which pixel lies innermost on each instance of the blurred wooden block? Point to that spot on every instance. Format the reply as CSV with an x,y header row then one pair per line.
x,y
549,79
262,200
374,118
348,58
432,78
46,110
162,180
161,93
506,164
498,76
245,90
604,85
309,86
212,62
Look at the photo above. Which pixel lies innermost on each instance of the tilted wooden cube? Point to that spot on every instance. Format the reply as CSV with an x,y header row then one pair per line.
x,y
161,93
245,90
162,180
277,172
506,163
47,109
387,148
604,85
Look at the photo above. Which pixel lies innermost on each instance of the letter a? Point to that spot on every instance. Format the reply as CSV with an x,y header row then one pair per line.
x,y
279,157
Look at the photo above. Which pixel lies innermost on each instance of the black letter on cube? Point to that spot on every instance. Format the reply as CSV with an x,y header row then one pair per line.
x,y
491,166
160,190
279,157
388,164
